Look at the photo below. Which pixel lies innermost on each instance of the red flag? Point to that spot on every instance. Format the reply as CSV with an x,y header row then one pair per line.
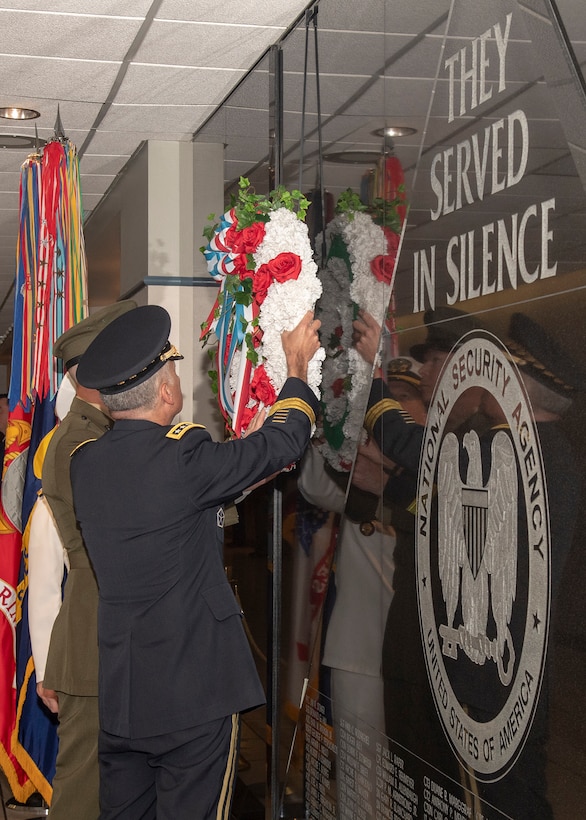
x,y
18,436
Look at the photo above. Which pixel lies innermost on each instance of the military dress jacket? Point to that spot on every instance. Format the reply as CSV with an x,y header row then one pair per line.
x,y
72,662
398,436
149,499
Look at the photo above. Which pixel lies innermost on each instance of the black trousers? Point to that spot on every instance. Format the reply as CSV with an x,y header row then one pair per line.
x,y
177,776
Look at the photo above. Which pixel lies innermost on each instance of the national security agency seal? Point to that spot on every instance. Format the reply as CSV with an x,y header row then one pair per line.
x,y
483,557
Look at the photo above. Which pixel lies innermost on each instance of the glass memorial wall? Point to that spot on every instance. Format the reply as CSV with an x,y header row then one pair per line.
x,y
431,648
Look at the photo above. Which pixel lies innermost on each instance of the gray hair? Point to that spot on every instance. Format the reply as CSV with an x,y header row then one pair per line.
x,y
543,398
141,397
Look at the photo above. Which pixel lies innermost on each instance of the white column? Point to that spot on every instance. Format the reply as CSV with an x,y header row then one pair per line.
x,y
185,184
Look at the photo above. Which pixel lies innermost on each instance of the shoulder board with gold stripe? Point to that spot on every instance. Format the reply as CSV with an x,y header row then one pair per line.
x,y
280,410
378,409
79,446
178,430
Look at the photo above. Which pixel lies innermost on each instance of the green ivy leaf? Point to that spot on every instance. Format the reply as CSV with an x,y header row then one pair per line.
x,y
349,203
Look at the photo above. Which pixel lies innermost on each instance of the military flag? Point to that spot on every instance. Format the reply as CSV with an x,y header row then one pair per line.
x,y
50,296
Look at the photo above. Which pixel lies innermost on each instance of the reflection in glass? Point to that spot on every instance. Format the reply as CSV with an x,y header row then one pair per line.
x,y
479,675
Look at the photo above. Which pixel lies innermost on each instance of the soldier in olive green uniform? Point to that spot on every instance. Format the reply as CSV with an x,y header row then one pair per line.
x,y
70,682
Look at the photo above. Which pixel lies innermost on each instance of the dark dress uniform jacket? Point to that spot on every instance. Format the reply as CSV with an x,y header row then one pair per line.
x,y
173,652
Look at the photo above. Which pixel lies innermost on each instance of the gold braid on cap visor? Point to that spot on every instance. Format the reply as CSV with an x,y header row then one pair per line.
x,y
169,353
523,358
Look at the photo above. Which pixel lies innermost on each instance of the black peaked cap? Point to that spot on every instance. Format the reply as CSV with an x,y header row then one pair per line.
x,y
541,357
128,351
445,328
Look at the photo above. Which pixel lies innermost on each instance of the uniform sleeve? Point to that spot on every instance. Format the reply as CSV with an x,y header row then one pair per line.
x,y
315,484
45,576
398,436
220,472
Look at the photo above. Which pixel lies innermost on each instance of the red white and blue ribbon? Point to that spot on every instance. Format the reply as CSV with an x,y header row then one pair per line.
x,y
229,319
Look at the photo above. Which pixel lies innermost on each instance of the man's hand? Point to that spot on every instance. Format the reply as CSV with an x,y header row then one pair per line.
x,y
366,336
49,697
256,422
371,451
300,344
368,473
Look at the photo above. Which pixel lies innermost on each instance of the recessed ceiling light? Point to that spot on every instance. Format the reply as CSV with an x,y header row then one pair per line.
x,y
394,131
20,141
354,157
15,113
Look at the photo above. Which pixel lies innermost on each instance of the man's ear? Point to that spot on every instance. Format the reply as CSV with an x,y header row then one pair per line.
x,y
165,392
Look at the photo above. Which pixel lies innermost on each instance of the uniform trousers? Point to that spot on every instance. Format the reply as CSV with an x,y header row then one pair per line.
x,y
76,780
357,700
177,776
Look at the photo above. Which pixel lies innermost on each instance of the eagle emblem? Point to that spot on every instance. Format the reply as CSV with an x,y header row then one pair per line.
x,y
477,550
483,561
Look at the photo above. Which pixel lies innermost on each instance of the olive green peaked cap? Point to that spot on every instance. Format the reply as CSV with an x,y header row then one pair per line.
x,y
72,344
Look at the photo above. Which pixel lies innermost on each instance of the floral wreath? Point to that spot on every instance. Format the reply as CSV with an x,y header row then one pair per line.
x,y
362,245
261,256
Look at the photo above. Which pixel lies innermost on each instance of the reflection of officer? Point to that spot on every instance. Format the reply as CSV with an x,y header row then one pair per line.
x,y
552,381
363,590
69,684
392,428
410,713
175,665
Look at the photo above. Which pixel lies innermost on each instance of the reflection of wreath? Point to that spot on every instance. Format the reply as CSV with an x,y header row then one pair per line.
x,y
359,272
261,256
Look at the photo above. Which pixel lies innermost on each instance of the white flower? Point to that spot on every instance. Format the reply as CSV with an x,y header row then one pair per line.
x,y
364,240
286,303
284,306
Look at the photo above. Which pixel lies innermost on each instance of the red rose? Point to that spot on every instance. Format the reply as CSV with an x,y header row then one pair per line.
x,y
240,268
339,331
382,268
261,388
248,239
392,241
230,237
285,266
338,387
262,280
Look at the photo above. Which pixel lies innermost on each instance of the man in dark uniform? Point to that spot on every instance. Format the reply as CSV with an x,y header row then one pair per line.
x,y
552,381
411,719
70,684
175,666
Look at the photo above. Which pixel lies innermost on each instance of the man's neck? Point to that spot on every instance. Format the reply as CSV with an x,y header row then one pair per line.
x,y
156,415
92,397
